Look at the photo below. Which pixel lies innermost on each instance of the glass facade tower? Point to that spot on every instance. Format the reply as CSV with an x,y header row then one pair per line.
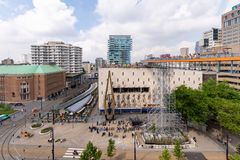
x,y
119,49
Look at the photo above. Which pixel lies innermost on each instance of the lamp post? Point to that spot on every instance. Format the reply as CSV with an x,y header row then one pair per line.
x,y
134,146
52,136
227,147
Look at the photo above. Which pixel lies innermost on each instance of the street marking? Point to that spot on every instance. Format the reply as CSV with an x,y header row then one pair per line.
x,y
69,153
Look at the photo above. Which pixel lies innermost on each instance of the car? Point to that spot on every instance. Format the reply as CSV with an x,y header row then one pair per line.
x,y
50,140
57,140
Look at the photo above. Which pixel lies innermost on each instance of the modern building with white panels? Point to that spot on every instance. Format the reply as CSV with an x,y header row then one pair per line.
x,y
138,88
66,56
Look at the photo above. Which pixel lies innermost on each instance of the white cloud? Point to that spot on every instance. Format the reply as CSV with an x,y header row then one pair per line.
x,y
48,20
156,26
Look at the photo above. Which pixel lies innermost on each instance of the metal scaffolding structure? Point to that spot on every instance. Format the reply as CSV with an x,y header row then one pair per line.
x,y
164,119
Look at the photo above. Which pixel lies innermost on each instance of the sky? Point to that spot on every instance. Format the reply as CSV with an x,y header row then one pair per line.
x,y
156,26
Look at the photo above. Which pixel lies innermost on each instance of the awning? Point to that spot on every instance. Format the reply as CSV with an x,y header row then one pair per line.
x,y
79,105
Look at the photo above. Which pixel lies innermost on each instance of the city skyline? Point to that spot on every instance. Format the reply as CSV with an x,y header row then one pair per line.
x,y
88,24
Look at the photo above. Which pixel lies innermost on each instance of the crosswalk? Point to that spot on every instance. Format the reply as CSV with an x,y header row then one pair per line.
x,y
69,153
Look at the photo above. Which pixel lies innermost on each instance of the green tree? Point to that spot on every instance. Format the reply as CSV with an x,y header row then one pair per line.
x,y
212,102
238,148
178,150
192,104
91,153
111,148
165,155
235,157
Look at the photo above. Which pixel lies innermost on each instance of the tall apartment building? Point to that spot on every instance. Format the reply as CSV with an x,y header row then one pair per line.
x,y
119,49
211,38
66,56
231,29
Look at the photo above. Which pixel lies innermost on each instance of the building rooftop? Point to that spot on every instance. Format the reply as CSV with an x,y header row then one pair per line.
x,y
28,69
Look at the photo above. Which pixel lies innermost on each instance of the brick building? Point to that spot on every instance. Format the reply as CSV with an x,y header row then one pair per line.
x,y
19,83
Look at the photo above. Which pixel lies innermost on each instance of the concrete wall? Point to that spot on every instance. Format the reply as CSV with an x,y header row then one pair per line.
x,y
143,77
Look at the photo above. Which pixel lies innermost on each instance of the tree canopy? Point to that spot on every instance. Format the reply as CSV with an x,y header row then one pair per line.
x,y
111,148
91,153
165,155
212,101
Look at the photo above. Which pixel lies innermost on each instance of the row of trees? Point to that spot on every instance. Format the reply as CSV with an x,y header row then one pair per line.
x,y
213,101
177,152
93,153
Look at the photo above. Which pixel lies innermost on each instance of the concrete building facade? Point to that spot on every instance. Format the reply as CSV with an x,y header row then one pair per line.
x,y
8,61
19,83
99,63
231,26
87,67
211,38
184,52
66,56
119,49
136,88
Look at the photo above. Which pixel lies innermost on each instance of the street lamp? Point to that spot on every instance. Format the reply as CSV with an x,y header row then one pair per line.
x,y
227,147
40,98
52,137
134,146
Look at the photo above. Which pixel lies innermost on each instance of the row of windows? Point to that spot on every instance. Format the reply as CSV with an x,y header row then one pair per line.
x,y
143,73
2,98
131,89
24,77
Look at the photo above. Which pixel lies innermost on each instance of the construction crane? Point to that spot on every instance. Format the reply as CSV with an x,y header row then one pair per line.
x,y
109,101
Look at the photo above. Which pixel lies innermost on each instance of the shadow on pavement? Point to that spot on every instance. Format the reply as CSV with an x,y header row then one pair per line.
x,y
195,156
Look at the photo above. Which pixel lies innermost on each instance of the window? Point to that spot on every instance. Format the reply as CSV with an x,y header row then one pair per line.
x,y
13,94
188,78
178,79
153,73
148,79
133,82
193,82
198,78
128,79
193,73
143,73
123,83
173,82
117,79
123,73
133,73
183,73
112,73
138,79
183,82
143,82
153,82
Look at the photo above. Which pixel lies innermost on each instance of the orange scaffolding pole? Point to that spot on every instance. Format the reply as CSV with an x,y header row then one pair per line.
x,y
214,59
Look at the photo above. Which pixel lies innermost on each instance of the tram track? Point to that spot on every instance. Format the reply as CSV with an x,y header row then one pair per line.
x,y
7,137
